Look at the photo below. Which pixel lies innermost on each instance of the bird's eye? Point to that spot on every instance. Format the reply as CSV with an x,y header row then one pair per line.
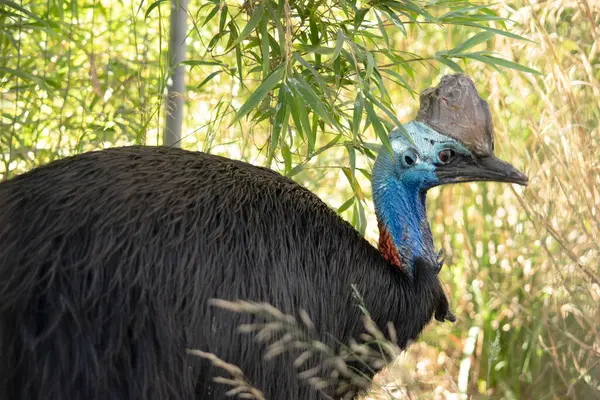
x,y
445,156
409,158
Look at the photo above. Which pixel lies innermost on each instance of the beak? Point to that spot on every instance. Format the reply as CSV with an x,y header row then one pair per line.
x,y
470,169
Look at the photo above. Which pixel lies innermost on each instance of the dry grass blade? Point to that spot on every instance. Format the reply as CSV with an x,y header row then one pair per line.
x,y
241,388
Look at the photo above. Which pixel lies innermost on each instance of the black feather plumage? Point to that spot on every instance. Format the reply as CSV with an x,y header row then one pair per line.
x,y
108,260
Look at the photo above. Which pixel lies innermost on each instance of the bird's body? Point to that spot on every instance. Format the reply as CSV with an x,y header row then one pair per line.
x,y
142,238
108,261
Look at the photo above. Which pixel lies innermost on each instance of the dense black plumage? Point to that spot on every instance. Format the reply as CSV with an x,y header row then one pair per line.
x,y
108,260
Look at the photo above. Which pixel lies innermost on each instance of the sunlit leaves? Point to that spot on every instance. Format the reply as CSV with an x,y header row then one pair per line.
x,y
257,15
311,77
256,97
472,41
153,5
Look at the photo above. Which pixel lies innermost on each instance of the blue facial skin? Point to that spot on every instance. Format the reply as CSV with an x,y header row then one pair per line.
x,y
400,184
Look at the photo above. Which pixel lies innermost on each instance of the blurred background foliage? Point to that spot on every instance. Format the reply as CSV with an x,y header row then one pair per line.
x,y
311,88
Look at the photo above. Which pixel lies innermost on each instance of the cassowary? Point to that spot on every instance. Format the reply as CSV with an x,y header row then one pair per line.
x,y
108,260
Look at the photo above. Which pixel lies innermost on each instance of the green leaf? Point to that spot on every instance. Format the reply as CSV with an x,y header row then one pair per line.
x,y
26,76
315,50
264,48
383,108
215,39
381,86
256,97
194,63
280,121
378,127
354,183
366,173
296,170
210,16
473,41
359,219
449,63
497,31
513,65
287,157
357,114
153,6
254,20
208,79
351,156
402,82
346,205
384,34
311,98
495,61
301,119
238,60
223,19
370,66
462,11
339,43
392,15
329,145
359,17
314,73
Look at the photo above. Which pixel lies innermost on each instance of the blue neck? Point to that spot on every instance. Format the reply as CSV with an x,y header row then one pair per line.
x,y
400,208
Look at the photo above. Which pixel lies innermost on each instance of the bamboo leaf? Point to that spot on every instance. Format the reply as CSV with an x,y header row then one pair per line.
x,y
256,97
495,61
402,82
462,11
254,20
264,48
370,66
359,17
19,8
287,156
383,108
313,72
378,127
209,16
329,145
311,98
301,119
497,31
381,26
208,79
280,121
473,41
449,63
296,170
357,114
511,64
26,76
153,6
223,19
354,183
366,173
347,204
393,17
194,63
339,43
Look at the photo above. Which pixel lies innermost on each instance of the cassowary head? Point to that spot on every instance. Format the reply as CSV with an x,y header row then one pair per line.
x,y
451,141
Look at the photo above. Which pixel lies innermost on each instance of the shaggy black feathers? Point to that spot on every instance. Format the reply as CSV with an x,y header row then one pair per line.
x,y
108,260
